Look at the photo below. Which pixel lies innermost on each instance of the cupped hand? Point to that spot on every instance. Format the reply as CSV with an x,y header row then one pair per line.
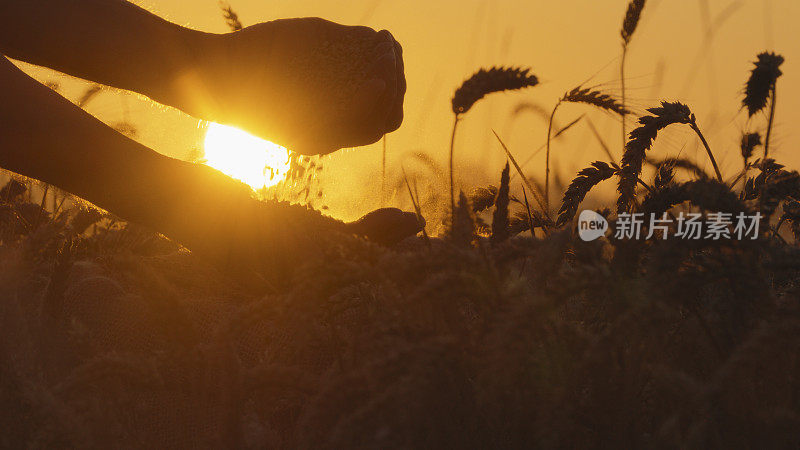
x,y
308,84
387,226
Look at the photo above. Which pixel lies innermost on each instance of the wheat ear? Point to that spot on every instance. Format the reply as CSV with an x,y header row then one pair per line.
x,y
578,95
629,24
479,85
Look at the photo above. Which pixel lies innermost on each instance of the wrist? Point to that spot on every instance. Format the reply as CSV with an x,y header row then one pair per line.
x,y
192,64
202,52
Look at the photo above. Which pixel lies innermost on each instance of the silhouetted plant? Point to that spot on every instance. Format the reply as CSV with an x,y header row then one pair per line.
x,y
537,195
665,173
482,198
230,16
642,139
482,83
579,187
749,142
578,95
462,231
500,224
679,163
760,87
629,25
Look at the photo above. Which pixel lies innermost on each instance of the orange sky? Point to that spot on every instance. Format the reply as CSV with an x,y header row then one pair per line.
x,y
564,42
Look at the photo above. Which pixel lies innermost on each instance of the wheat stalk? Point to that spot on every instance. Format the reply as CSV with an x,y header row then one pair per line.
x,y
629,24
641,139
480,84
556,135
452,169
417,208
713,160
528,210
761,86
577,95
536,193
601,141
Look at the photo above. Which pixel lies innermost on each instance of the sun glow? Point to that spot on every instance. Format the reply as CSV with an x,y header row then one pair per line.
x,y
257,162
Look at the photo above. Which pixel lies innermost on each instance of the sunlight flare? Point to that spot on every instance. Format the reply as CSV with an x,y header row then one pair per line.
x,y
254,161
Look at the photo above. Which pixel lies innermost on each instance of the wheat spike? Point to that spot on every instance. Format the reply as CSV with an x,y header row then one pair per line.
x,y
781,185
482,198
753,186
707,194
760,87
231,18
641,139
679,163
664,175
521,222
762,80
579,187
632,16
577,95
484,82
596,98
536,192
749,142
462,231
500,222
417,208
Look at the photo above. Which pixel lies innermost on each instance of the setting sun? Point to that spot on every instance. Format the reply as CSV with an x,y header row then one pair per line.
x,y
257,162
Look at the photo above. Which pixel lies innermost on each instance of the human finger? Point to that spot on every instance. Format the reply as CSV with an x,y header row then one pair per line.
x,y
395,118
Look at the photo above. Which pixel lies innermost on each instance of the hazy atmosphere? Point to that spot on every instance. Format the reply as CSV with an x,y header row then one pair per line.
x,y
694,51
463,224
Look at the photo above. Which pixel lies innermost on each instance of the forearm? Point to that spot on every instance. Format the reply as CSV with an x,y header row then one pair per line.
x,y
111,42
45,137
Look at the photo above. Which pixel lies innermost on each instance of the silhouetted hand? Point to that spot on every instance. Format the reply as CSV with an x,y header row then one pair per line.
x,y
387,226
308,84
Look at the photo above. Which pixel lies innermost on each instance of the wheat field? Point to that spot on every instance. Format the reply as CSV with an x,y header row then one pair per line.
x,y
496,327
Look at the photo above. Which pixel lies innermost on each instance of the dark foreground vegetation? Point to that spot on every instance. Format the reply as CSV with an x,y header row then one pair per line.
x,y
112,336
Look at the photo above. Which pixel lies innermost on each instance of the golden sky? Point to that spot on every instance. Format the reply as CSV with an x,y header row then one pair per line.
x,y
565,43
